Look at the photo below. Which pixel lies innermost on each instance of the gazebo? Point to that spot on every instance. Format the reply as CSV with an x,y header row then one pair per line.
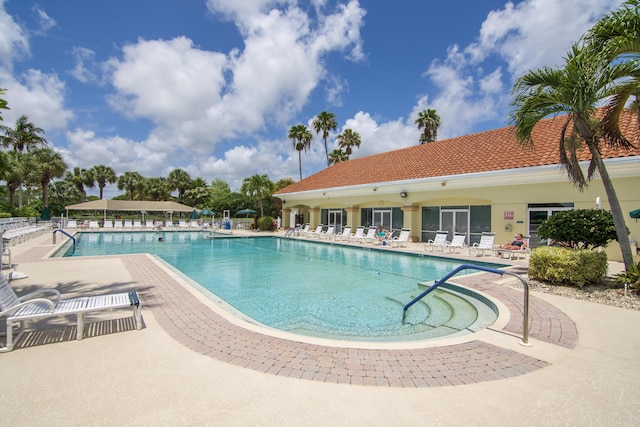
x,y
128,206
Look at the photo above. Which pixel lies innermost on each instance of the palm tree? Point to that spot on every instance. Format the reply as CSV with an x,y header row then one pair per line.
x,y
430,121
179,180
301,139
3,102
258,187
13,173
577,90
156,189
47,165
80,178
616,38
130,182
103,175
325,122
347,140
337,156
24,137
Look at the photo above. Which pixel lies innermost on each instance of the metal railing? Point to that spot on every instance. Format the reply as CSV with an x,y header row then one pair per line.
x,y
525,332
66,234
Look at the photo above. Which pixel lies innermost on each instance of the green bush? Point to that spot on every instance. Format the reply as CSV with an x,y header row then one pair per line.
x,y
265,223
581,228
575,267
630,276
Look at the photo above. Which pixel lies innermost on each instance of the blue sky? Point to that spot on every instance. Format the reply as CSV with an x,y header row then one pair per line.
x,y
212,86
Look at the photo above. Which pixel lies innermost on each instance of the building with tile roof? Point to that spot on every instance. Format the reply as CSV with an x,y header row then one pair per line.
x,y
474,183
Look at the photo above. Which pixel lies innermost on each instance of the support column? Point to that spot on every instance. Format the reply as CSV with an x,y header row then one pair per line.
x,y
353,219
314,217
412,221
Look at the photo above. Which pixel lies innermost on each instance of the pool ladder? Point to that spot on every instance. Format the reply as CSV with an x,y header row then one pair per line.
x,y
66,234
525,332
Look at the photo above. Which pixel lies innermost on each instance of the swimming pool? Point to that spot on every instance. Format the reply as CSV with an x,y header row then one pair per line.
x,y
311,288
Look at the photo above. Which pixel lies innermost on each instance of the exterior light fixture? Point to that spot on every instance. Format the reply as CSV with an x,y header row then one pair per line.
x,y
403,194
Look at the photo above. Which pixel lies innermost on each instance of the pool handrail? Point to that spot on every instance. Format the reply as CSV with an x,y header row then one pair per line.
x,y
525,332
66,234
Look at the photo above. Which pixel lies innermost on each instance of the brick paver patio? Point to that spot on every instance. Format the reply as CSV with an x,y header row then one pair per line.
x,y
198,327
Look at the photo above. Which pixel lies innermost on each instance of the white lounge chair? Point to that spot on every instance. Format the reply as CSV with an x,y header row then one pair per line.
x,y
107,224
72,223
329,233
149,225
128,224
370,237
183,224
485,244
515,253
438,243
94,224
117,223
316,233
401,240
457,243
345,235
33,307
359,234
137,224
303,231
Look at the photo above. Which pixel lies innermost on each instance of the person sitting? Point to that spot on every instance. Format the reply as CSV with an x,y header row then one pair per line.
x,y
381,233
517,244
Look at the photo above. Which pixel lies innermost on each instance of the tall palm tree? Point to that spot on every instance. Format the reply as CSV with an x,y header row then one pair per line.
x,y
325,122
577,90
337,156
156,189
103,175
616,38
80,178
47,165
3,102
301,139
13,173
24,137
347,140
258,187
179,180
130,182
430,121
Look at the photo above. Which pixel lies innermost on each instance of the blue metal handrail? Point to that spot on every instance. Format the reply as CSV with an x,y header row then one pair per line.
x,y
66,234
525,332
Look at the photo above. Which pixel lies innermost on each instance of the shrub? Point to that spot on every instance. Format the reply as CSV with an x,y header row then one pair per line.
x,y
265,223
630,276
583,228
575,267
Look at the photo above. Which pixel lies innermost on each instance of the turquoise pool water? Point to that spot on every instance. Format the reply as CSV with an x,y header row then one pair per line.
x,y
317,289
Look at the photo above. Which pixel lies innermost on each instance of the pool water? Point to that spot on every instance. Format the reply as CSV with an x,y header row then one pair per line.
x,y
316,289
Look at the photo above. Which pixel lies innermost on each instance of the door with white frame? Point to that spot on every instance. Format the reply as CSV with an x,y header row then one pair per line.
x,y
335,219
537,215
454,220
382,217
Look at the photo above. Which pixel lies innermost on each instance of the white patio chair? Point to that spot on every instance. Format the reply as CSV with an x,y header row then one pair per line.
x,y
485,244
33,307
438,243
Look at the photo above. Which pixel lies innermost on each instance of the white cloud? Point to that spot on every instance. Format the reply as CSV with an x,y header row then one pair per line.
x,y
14,42
39,96
45,22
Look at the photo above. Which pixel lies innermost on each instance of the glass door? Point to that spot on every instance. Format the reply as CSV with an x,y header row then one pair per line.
x,y
454,221
335,219
383,218
536,217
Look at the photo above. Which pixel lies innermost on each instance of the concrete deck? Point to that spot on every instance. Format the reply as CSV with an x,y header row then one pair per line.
x,y
194,364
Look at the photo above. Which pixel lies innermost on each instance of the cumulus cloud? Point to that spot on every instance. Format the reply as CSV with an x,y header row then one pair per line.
x,y
14,42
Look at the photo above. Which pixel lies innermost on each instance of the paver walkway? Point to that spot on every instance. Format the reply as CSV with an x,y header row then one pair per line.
x,y
198,327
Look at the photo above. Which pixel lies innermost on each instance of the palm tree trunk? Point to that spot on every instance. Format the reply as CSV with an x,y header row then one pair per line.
x,y
616,210
300,163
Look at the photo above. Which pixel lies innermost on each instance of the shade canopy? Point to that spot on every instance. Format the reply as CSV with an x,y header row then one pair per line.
x,y
129,205
46,214
194,214
246,211
635,214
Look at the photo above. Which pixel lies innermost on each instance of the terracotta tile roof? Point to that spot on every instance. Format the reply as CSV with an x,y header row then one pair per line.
x,y
480,152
